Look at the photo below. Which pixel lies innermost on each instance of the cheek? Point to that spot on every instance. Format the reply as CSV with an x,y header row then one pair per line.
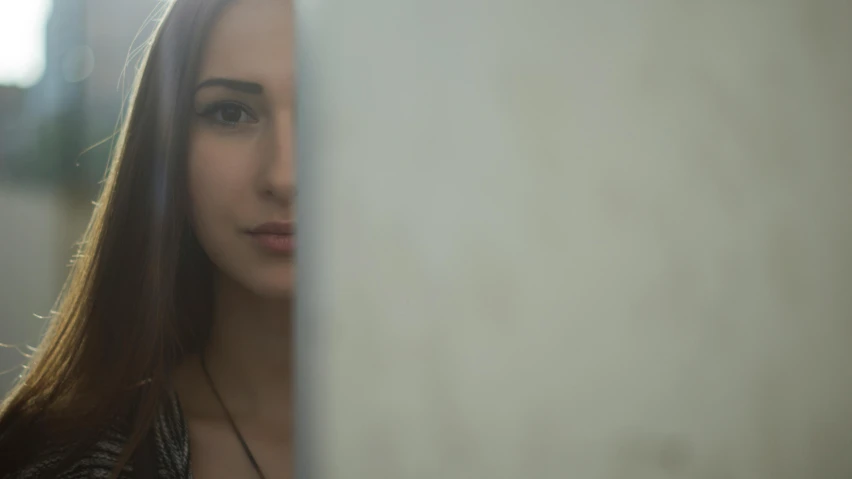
x,y
220,187
224,198
219,175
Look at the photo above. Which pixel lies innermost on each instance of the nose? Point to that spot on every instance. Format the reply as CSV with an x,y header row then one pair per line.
x,y
278,177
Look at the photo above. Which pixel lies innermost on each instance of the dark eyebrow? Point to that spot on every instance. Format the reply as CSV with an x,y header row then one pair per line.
x,y
238,85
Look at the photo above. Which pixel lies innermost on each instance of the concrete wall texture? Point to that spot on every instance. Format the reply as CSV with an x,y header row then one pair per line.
x,y
574,238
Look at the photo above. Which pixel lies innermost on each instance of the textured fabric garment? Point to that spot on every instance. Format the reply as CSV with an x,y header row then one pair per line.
x,y
167,458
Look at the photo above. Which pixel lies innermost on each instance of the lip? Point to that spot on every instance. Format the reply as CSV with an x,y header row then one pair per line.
x,y
274,228
276,236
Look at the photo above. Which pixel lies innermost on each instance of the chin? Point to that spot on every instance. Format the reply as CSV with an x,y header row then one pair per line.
x,y
264,279
272,292
282,293
276,287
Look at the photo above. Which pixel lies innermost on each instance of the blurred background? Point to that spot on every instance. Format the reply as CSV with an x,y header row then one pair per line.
x,y
66,67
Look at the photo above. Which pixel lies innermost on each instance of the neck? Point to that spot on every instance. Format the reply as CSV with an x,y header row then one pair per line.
x,y
249,355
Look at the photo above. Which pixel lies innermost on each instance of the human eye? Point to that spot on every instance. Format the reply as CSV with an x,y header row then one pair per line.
x,y
228,113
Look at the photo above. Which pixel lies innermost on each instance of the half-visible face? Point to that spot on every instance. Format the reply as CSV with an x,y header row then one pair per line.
x,y
241,149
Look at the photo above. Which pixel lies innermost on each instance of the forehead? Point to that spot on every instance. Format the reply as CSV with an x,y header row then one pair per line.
x,y
252,40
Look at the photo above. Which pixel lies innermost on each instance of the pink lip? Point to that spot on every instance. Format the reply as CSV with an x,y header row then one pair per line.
x,y
275,228
276,237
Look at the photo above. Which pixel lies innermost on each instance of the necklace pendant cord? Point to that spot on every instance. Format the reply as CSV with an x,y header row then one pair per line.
x,y
231,421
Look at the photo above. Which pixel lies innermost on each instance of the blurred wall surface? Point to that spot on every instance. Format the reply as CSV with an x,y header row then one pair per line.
x,y
47,183
577,239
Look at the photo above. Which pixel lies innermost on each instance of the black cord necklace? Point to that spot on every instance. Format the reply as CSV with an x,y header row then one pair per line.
x,y
231,420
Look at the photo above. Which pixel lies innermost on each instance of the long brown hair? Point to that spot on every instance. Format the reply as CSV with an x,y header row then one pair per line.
x,y
139,294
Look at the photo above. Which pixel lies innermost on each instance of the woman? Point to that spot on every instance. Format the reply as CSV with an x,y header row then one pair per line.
x,y
169,355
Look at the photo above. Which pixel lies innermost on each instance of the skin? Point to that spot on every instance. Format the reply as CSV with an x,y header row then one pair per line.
x,y
241,174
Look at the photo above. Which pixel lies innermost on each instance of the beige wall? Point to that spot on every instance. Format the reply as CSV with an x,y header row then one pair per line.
x,y
580,239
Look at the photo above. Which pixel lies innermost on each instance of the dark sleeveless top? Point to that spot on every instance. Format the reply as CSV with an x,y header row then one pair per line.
x,y
164,454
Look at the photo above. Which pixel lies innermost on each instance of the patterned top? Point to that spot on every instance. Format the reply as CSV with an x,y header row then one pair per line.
x,y
169,454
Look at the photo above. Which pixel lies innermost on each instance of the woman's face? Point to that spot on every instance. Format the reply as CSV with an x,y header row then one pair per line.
x,y
241,171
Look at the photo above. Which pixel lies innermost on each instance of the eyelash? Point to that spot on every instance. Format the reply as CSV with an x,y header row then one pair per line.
x,y
211,111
